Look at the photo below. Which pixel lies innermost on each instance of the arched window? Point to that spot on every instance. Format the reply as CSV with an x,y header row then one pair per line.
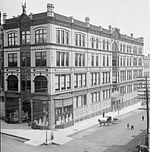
x,y
40,36
12,83
40,84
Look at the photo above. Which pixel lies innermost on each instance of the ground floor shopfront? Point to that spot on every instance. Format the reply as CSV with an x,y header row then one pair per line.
x,y
44,111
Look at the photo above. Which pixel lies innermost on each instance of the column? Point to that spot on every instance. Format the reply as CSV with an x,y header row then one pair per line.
x,y
20,110
51,114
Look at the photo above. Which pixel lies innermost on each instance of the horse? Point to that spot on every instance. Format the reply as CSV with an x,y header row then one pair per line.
x,y
106,120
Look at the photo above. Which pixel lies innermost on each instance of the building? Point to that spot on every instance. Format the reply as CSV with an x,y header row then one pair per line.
x,y
147,65
59,70
2,113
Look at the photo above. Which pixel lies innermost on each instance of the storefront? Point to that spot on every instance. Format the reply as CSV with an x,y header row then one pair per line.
x,y
63,111
39,112
26,110
12,109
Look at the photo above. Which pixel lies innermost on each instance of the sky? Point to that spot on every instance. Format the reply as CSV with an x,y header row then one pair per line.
x,y
130,16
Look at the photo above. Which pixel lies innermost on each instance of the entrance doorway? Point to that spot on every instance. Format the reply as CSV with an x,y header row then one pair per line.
x,y
26,111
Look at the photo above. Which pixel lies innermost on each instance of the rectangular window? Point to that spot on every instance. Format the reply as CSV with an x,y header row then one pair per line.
x,y
62,37
83,60
80,80
92,60
68,81
62,58
58,58
63,83
96,43
12,60
12,39
40,58
107,60
25,59
83,40
80,41
96,60
67,59
75,80
103,60
25,37
79,59
40,36
58,36
67,38
76,59
57,82
76,39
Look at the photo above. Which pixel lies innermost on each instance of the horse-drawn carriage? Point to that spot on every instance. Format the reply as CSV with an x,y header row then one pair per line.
x,y
108,120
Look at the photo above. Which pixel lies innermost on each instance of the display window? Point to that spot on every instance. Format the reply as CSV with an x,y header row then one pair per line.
x,y
40,115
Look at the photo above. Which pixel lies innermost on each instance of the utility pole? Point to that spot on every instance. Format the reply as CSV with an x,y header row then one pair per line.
x,y
147,107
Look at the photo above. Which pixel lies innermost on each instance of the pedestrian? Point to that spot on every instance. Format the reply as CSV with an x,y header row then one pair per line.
x,y
132,127
103,114
128,125
52,135
143,118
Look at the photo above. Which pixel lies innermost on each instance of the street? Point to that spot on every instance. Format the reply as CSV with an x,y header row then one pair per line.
x,y
95,139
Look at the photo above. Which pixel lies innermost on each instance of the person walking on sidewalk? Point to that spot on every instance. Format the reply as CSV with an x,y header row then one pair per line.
x,y
103,114
128,125
143,118
51,135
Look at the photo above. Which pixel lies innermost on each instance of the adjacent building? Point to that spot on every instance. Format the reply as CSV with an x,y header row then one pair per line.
x,y
59,70
147,65
2,106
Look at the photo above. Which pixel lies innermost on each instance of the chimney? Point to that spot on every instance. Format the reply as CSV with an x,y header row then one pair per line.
x,y
131,35
109,27
71,19
4,18
50,10
100,28
141,39
87,20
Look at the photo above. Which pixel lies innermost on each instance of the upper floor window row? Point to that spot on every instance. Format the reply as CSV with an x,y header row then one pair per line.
x,y
62,36
12,39
80,39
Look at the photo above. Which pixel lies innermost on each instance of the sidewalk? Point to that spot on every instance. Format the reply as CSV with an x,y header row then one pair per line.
x,y
38,137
